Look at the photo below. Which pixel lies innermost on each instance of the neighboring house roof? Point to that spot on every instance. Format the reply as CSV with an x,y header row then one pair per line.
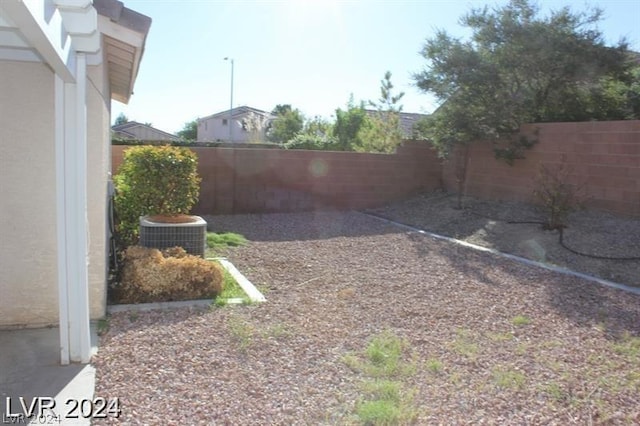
x,y
236,112
133,130
407,121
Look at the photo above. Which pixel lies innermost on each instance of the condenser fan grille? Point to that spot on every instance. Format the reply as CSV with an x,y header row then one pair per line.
x,y
191,236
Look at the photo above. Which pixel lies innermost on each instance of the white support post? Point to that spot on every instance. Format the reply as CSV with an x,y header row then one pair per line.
x,y
75,215
82,296
70,218
63,305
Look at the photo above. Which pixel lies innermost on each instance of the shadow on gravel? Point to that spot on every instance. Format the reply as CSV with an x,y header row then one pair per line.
x,y
585,304
465,261
592,305
299,226
128,322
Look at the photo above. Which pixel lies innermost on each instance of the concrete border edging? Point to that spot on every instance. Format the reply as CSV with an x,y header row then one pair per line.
x,y
252,292
561,270
246,285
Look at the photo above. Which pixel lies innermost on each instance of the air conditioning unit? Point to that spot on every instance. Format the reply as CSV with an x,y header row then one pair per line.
x,y
191,235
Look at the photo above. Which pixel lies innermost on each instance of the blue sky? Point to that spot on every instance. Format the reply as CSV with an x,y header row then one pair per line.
x,y
311,54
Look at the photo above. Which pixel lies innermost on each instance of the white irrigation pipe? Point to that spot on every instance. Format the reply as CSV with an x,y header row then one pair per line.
x,y
565,271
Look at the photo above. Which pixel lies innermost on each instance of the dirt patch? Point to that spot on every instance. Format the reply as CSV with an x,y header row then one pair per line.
x,y
487,223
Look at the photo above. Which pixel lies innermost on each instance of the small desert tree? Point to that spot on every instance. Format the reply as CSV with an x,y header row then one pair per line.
x,y
382,132
518,67
557,195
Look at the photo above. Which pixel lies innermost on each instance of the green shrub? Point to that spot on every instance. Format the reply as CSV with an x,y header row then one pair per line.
x,y
313,142
154,180
149,275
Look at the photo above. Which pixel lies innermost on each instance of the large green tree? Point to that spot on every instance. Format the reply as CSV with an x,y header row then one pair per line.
x,y
518,67
348,125
287,124
189,131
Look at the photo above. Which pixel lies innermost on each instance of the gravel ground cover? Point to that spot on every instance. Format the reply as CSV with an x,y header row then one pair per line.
x,y
491,341
486,223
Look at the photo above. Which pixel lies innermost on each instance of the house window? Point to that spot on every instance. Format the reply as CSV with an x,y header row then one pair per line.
x,y
224,121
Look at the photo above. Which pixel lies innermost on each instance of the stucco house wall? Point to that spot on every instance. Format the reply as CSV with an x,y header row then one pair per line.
x,y
61,63
28,209
215,127
28,282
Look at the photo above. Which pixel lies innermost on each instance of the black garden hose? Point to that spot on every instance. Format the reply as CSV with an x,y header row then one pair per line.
x,y
560,239
592,256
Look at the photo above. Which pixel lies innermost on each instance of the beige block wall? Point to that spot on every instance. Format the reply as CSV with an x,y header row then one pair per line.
x,y
28,259
28,262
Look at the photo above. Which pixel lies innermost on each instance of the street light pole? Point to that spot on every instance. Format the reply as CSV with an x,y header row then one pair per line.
x,y
231,105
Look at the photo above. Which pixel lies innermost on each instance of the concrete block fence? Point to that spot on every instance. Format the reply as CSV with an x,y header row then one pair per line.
x,y
255,180
603,157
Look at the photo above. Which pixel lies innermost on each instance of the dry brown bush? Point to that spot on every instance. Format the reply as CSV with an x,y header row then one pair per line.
x,y
149,275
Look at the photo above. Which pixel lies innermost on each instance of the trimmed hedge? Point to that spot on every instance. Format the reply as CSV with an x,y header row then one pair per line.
x,y
154,180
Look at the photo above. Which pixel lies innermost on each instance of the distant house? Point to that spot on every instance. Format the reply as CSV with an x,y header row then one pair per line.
x,y
242,124
139,131
408,121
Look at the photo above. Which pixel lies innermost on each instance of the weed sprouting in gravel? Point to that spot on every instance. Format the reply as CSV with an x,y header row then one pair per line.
x,y
520,320
628,346
387,400
102,326
379,412
383,353
276,331
554,391
434,365
508,379
464,345
242,332
388,390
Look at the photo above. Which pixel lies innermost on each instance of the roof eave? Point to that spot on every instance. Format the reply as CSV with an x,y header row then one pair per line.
x,y
124,36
